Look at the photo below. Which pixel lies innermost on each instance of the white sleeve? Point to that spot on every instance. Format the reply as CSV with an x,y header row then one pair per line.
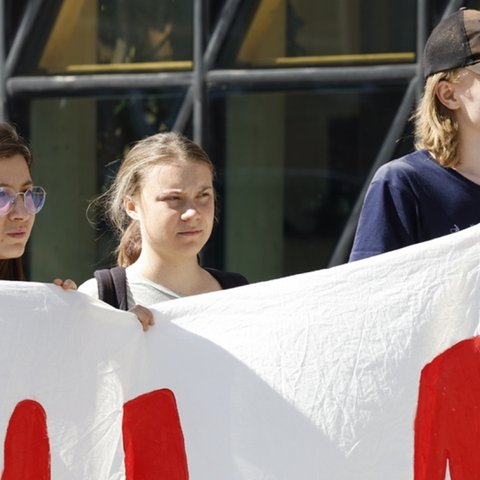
x,y
89,287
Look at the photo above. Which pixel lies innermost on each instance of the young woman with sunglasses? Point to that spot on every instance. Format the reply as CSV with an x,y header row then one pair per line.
x,y
20,201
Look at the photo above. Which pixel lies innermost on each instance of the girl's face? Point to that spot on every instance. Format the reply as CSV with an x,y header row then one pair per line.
x,y
175,208
15,226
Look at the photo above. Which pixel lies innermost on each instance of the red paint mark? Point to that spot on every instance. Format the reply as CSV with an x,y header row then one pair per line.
x,y
153,438
27,449
447,424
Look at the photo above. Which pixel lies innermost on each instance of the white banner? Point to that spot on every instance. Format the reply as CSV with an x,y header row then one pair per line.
x,y
314,376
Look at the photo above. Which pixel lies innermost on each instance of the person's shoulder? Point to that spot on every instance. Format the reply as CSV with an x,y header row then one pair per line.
x,y
415,164
227,279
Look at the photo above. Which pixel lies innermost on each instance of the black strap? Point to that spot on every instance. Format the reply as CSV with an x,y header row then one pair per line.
x,y
227,279
112,287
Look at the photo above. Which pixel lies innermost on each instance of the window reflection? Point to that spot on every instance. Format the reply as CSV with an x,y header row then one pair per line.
x,y
120,35
144,31
295,162
95,132
304,32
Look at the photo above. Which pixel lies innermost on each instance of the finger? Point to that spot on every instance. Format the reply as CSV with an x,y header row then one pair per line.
x,y
144,316
69,284
146,319
151,319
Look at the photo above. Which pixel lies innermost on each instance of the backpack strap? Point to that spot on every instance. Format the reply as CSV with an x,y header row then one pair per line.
x,y
112,286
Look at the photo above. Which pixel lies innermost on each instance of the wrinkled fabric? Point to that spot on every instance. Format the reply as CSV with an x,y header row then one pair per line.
x,y
313,376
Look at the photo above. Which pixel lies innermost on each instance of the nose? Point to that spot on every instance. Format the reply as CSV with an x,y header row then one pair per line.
x,y
18,212
189,213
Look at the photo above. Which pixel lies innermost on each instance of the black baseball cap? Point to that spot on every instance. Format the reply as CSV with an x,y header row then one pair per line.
x,y
454,43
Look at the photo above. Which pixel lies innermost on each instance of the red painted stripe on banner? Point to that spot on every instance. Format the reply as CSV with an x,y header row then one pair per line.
x,y
447,424
153,438
27,448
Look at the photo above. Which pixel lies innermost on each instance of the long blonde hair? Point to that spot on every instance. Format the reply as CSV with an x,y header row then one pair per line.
x,y
145,154
436,126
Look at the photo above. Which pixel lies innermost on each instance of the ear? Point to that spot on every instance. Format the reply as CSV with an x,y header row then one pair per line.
x,y
130,206
447,94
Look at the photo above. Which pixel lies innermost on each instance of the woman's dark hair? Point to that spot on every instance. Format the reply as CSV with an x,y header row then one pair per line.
x,y
11,143
12,269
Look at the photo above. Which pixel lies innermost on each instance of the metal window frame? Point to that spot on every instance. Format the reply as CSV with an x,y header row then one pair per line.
x,y
204,77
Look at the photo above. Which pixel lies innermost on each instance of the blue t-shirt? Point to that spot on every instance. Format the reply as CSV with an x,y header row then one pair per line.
x,y
411,200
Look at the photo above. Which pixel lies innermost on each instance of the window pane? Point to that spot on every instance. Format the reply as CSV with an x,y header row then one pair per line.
x,y
119,35
290,167
295,162
76,166
304,32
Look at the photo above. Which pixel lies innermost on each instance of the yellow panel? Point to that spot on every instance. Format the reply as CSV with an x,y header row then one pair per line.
x,y
139,66
266,35
353,58
72,40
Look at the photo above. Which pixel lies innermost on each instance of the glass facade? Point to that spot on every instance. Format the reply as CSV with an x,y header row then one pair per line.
x,y
86,137
92,36
302,32
299,99
288,191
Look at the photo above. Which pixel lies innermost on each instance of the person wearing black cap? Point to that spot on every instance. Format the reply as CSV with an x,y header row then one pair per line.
x,y
435,190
